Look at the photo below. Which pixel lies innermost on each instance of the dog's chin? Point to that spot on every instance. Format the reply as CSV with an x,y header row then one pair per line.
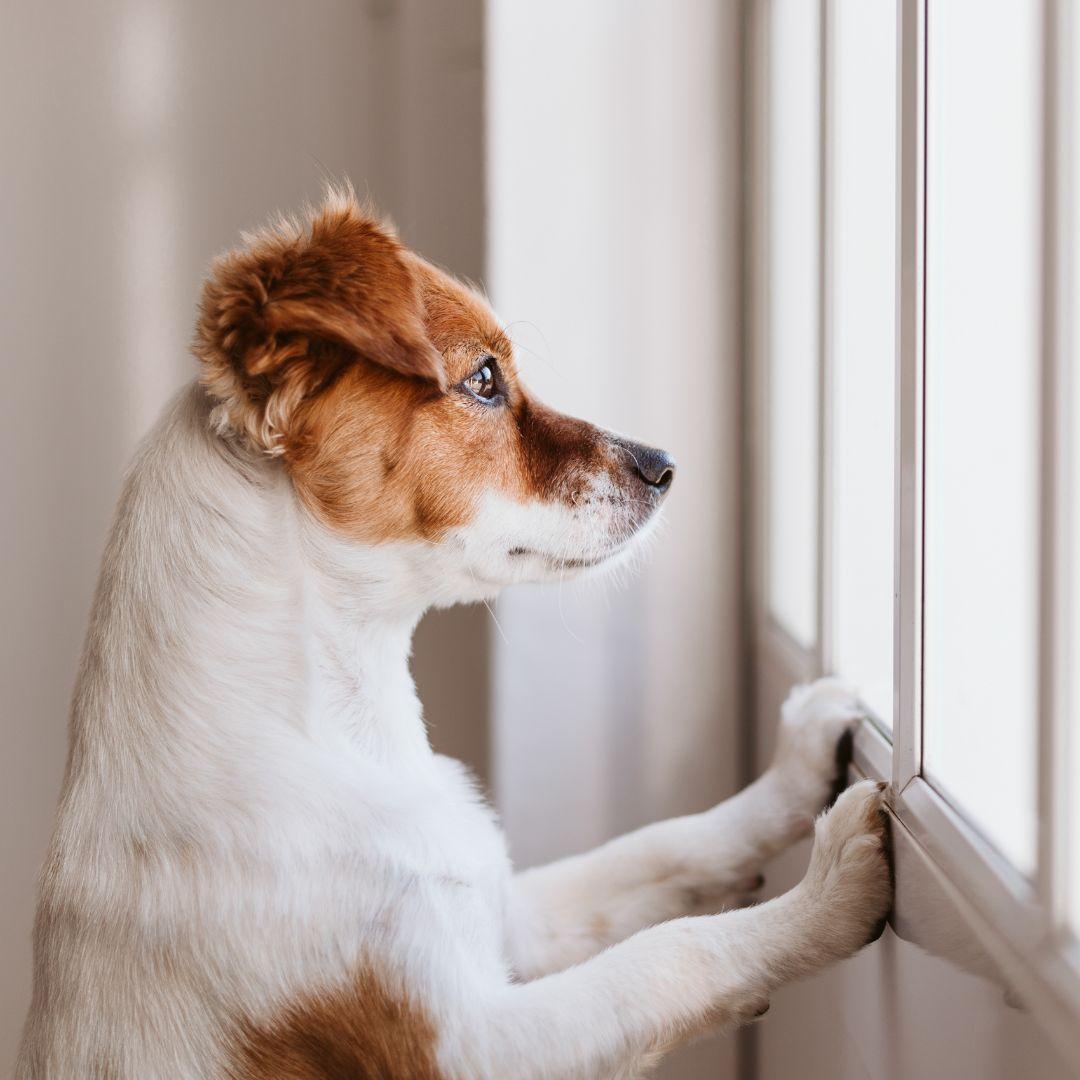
x,y
542,555
530,565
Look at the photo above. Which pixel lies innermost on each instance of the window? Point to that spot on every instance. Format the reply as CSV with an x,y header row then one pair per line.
x,y
932,308
793,345
862,354
982,463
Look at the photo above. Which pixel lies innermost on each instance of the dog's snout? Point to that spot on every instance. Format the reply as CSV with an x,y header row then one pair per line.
x,y
655,467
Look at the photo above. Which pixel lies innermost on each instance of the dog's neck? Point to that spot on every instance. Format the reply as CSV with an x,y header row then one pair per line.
x,y
354,627
228,619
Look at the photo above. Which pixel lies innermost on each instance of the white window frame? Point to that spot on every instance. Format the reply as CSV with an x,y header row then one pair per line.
x,y
1019,921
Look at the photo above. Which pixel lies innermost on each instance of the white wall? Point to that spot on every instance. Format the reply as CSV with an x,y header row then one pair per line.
x,y
613,186
138,138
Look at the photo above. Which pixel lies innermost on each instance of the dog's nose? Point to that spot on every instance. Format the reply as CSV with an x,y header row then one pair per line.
x,y
655,467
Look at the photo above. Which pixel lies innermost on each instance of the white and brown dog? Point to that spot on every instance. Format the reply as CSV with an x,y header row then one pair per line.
x,y
260,868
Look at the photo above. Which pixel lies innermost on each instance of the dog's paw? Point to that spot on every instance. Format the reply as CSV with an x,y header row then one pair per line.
x,y
847,891
814,743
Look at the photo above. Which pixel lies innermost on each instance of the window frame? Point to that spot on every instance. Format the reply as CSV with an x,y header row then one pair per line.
x,y
1019,921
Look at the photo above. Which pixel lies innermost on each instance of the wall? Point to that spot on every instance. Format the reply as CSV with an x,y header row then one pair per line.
x,y
614,231
139,137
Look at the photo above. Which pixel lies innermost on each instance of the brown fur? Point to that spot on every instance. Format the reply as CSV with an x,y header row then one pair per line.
x,y
282,317
360,1032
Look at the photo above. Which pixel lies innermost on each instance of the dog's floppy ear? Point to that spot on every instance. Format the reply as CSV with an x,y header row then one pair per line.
x,y
283,315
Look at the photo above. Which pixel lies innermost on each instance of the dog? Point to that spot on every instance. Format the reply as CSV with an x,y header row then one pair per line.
x,y
259,867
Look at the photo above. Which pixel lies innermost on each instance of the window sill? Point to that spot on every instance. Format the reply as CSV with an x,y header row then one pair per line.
x,y
1002,925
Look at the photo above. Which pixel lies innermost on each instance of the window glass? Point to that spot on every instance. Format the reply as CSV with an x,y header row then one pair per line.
x,y
863,346
982,378
793,290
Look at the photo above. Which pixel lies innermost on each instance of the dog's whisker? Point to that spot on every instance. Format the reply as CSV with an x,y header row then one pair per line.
x,y
495,620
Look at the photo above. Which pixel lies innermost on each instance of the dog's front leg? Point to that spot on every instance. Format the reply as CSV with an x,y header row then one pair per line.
x,y
567,911
610,1015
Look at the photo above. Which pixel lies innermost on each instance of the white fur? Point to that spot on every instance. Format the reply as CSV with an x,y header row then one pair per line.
x,y
252,809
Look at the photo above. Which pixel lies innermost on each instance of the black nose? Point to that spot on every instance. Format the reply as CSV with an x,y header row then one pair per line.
x,y
655,467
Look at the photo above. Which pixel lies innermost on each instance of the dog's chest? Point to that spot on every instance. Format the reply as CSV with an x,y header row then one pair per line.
x,y
432,846
455,832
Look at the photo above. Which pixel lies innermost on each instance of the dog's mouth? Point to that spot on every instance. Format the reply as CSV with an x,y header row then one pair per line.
x,y
555,562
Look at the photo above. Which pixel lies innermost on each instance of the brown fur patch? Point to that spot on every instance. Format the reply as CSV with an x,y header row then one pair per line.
x,y
360,1031
281,317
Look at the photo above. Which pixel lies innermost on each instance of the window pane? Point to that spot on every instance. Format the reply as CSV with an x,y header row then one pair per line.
x,y
982,371
863,345
793,272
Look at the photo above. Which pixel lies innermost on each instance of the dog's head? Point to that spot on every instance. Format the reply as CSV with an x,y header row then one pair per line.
x,y
391,393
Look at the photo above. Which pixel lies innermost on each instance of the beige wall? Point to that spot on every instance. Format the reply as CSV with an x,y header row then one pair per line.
x,y
614,232
137,139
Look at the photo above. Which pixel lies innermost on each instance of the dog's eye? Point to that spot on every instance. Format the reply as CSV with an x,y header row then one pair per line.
x,y
483,383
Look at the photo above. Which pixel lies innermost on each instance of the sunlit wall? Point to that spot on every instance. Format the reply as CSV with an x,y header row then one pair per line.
x,y
614,225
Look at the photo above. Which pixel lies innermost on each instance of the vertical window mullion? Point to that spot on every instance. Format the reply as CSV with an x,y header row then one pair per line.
x,y
1066,846
1053,856
910,248
825,247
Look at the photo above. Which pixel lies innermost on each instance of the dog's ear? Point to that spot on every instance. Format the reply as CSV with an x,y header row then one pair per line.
x,y
282,316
